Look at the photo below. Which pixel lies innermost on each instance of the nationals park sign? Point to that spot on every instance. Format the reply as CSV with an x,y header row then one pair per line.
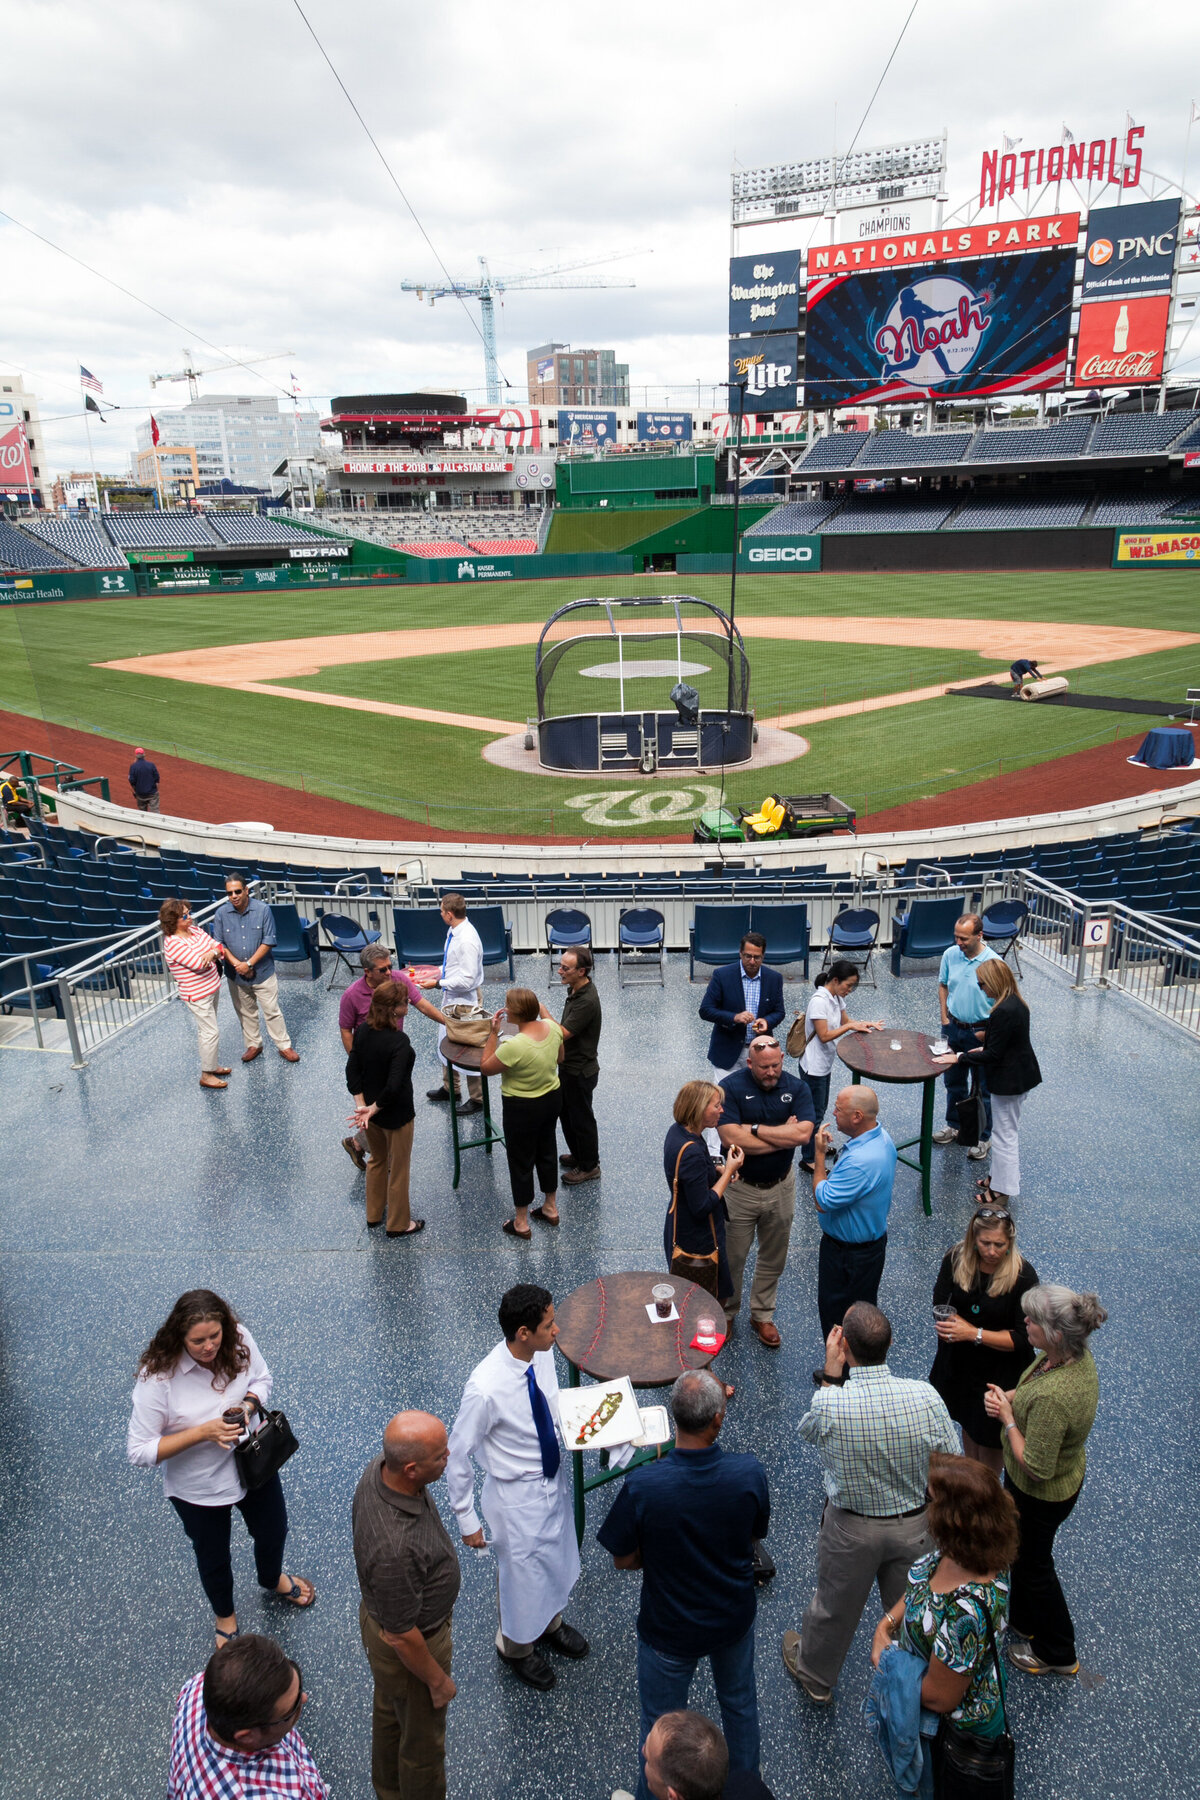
x,y
1054,230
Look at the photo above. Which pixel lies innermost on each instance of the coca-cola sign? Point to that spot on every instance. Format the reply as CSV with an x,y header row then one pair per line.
x,y
16,470
1121,342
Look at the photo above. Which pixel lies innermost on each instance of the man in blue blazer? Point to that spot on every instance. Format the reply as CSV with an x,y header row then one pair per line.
x,y
742,1001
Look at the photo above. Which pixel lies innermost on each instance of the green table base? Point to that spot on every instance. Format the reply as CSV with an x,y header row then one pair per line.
x,y
925,1154
490,1136
583,1484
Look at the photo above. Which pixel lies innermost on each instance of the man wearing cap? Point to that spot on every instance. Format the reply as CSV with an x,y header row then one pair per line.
x,y
768,1115
143,779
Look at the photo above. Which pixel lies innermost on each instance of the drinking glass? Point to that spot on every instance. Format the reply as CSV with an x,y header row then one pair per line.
x,y
662,1294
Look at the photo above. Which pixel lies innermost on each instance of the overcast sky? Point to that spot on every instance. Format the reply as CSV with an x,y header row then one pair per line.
x,y
202,156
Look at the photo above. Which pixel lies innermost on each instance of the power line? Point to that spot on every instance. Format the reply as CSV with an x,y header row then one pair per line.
x,y
887,65
390,173
188,330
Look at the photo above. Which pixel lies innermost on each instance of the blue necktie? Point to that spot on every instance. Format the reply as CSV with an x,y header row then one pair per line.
x,y
446,954
544,1426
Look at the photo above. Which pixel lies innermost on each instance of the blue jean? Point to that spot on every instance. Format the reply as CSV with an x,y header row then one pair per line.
x,y
663,1685
958,1079
818,1087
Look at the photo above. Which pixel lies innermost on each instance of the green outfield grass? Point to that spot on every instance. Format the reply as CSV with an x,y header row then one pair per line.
x,y
47,655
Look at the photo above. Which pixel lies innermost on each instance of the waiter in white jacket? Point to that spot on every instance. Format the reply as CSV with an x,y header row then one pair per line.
x,y
460,981
507,1423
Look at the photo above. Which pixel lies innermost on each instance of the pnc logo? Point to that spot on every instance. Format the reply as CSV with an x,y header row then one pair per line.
x,y
1100,252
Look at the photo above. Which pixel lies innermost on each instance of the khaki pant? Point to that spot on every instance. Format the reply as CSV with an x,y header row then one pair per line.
x,y
408,1733
509,1646
765,1213
246,1002
852,1554
387,1175
204,1014
148,803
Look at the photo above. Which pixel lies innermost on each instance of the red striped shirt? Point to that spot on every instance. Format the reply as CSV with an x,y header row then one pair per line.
x,y
185,958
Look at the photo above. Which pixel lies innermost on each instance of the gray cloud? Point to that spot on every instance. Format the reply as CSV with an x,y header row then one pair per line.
x,y
203,156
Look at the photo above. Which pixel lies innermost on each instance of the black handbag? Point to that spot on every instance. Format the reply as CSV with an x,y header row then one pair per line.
x,y
265,1451
972,1120
969,1767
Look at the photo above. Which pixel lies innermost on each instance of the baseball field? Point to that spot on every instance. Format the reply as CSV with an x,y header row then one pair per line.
x,y
385,699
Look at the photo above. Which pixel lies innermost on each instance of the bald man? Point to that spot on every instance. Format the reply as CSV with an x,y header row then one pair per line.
x,y
853,1204
409,1577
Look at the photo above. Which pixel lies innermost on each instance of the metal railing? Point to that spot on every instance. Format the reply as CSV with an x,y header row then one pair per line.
x,y
1105,944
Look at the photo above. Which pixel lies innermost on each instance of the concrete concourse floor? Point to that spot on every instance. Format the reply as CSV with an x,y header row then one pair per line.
x,y
126,1184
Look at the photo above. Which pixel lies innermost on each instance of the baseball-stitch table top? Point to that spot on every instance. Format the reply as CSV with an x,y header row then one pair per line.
x,y
604,1331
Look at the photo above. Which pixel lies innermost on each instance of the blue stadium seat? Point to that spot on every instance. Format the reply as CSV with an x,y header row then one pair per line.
x,y
786,931
925,930
715,935
296,939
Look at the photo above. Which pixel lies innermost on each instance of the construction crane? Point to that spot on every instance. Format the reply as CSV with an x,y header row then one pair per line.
x,y
191,375
489,287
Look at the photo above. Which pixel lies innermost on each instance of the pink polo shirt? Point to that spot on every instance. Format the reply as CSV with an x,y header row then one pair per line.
x,y
356,1000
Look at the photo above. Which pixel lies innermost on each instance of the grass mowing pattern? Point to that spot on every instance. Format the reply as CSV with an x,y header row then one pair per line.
x,y
435,773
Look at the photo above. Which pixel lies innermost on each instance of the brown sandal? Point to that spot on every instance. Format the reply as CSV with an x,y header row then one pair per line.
x,y
510,1226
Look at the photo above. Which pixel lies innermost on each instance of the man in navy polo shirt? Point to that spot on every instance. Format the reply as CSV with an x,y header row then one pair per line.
x,y
770,1116
689,1522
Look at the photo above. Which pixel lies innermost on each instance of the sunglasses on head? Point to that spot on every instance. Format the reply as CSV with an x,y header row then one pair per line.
x,y
985,1213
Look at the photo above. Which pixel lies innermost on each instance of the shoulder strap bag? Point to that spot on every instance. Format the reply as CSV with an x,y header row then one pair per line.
x,y
266,1449
972,1118
798,1038
688,1265
967,1766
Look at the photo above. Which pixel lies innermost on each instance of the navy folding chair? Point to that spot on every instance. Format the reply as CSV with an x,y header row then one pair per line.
x,y
641,934
566,929
852,938
345,938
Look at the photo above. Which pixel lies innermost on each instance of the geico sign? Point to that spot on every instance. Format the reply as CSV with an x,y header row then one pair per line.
x,y
788,553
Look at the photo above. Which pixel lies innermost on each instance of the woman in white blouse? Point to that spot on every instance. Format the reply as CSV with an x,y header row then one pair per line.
x,y
200,1365
826,1020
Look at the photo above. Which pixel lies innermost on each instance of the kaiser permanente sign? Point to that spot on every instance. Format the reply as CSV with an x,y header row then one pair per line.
x,y
780,556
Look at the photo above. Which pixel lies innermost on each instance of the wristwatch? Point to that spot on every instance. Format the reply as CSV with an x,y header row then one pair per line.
x,y
754,1131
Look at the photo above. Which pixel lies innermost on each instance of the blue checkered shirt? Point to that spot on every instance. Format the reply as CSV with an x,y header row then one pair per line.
x,y
875,1437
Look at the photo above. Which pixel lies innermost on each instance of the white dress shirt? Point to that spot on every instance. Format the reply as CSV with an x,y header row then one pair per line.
x,y
530,1518
162,1404
463,976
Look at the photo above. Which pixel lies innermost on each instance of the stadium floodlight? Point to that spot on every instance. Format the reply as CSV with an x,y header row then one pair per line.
x,y
913,170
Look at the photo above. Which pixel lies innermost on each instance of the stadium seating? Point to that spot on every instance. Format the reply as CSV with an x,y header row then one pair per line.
x,y
1031,443
160,531
504,546
890,512
909,450
20,551
1137,506
251,528
81,538
837,451
995,512
794,518
925,930
1123,434
443,547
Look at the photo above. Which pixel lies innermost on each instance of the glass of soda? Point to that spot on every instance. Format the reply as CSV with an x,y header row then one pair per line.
x,y
663,1295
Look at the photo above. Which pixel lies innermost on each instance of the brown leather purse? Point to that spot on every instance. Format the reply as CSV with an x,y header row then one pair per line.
x,y
687,1264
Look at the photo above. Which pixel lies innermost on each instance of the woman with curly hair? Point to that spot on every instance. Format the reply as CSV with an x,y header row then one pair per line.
x,y
954,1594
200,1367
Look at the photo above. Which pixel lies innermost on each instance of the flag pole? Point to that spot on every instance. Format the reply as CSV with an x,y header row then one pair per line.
x,y
87,424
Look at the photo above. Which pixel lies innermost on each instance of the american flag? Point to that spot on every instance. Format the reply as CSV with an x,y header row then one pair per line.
x,y
88,380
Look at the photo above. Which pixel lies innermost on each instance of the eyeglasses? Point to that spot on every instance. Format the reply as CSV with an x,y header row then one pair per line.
x,y
286,1720
984,1213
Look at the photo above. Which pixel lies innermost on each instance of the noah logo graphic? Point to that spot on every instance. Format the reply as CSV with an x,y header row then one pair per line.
x,y
781,554
466,568
933,330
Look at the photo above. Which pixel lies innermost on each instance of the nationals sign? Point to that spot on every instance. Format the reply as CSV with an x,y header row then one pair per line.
x,y
16,470
943,246
998,324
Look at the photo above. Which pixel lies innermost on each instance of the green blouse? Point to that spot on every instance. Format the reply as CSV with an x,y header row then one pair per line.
x,y
530,1068
953,1627
1054,1410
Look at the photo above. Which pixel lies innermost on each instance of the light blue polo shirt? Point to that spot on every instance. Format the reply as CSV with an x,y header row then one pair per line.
x,y
965,999
854,1201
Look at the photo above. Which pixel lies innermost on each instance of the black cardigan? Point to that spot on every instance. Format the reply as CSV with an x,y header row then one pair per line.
x,y
1006,1052
379,1067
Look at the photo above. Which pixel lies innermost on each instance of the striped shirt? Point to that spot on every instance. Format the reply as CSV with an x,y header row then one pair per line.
x,y
202,1769
875,1437
185,953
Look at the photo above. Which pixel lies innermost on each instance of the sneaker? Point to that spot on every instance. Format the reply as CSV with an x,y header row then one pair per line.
x,y
1021,1656
948,1135
979,1151
821,1696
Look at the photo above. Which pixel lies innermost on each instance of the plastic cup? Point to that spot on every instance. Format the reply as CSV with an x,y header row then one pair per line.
x,y
895,1044
663,1295
706,1328
942,1313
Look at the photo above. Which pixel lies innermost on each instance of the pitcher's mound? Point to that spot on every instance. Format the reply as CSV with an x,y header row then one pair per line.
x,y
773,747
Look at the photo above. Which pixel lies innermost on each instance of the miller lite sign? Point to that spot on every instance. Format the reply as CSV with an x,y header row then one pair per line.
x,y
768,369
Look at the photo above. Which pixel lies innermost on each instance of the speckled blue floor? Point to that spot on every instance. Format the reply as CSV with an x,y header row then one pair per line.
x,y
126,1184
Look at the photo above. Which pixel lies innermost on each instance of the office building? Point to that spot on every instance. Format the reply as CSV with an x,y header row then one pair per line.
x,y
562,376
236,437
19,407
